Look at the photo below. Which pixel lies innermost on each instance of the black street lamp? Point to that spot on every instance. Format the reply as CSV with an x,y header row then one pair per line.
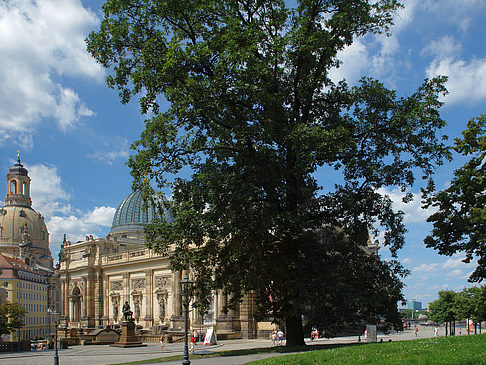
x,y
186,291
56,316
19,343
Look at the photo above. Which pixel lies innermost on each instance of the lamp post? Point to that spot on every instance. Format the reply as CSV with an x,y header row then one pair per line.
x,y
56,316
48,327
19,343
186,290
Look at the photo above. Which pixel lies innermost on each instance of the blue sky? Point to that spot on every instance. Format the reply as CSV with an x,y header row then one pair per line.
x,y
74,134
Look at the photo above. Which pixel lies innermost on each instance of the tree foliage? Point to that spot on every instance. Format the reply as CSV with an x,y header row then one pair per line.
x,y
11,317
459,225
470,303
444,308
254,116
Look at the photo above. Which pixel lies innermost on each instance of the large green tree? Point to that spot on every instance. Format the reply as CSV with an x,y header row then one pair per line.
x,y
444,309
459,225
254,117
11,317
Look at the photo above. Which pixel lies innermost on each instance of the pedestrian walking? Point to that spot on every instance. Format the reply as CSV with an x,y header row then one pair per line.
x,y
193,344
162,343
415,331
274,337
280,336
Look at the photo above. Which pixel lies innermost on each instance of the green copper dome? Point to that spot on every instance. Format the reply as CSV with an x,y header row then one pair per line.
x,y
131,214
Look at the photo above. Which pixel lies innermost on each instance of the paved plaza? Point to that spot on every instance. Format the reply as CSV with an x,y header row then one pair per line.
x,y
103,354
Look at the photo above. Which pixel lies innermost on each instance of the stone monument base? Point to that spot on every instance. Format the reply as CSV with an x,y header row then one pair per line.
x,y
128,338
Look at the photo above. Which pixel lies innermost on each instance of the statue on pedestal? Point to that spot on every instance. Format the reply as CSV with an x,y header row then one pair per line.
x,y
127,313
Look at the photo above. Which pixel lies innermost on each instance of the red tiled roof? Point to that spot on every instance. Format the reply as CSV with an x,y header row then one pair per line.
x,y
15,264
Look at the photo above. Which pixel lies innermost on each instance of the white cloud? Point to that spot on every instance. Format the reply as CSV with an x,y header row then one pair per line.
x,y
78,227
407,260
102,216
51,199
374,55
467,80
355,59
455,262
443,47
456,273
432,267
117,149
457,13
48,195
413,212
40,43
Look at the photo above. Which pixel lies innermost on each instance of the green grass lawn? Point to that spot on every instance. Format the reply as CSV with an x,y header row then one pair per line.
x,y
465,350
442,350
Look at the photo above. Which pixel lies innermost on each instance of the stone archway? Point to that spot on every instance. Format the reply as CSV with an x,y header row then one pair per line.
x,y
76,304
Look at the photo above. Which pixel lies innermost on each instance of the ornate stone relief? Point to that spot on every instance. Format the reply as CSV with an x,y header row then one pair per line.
x,y
116,285
138,283
76,283
162,281
137,302
162,300
115,302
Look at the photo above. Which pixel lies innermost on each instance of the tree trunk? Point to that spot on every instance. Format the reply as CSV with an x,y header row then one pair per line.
x,y
295,331
446,328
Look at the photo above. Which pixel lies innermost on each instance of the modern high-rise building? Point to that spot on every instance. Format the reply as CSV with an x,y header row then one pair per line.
x,y
413,304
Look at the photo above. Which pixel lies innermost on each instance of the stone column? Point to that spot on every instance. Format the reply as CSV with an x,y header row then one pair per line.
x,y
177,318
126,288
62,308
84,301
149,298
106,302
176,290
89,295
98,305
66,300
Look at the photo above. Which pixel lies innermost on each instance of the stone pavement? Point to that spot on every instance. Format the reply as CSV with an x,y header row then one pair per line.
x,y
103,354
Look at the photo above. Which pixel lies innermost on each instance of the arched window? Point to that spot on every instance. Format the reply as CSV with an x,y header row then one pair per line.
x,y
76,305
24,188
13,187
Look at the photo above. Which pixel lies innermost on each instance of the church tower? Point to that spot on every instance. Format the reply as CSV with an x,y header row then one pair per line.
x,y
23,232
18,186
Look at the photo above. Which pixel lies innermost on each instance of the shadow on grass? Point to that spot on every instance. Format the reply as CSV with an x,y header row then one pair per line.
x,y
243,352
282,349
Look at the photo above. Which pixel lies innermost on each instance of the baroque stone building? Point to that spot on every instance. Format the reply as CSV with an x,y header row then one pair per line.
x,y
28,274
97,276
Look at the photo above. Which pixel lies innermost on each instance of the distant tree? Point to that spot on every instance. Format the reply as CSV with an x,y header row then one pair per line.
x,y
479,300
459,225
254,117
444,309
466,307
12,317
